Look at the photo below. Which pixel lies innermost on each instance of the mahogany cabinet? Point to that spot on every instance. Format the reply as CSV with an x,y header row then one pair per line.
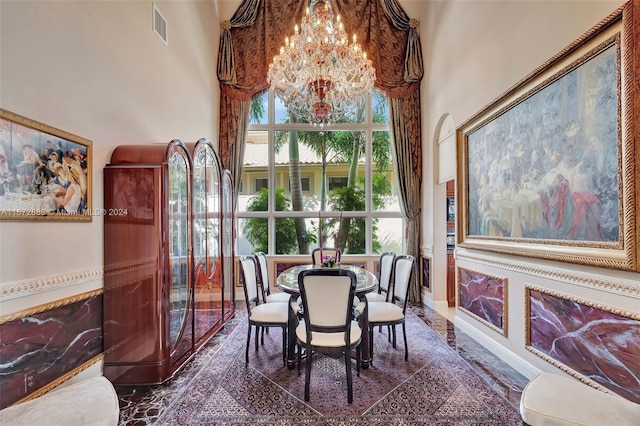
x,y
164,285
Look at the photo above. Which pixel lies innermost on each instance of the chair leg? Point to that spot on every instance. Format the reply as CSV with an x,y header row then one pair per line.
x,y
371,345
393,327
299,358
406,347
307,374
262,334
358,359
246,349
347,363
284,345
257,336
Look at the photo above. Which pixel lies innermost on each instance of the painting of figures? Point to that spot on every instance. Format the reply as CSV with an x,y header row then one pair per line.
x,y
548,169
45,173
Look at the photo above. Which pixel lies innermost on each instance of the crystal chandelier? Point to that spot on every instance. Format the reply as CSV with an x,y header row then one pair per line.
x,y
318,75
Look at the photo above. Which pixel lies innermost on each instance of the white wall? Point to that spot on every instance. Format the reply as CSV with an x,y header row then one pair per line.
x,y
96,69
474,51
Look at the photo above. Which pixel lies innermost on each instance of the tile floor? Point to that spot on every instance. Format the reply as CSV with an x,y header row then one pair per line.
x,y
141,406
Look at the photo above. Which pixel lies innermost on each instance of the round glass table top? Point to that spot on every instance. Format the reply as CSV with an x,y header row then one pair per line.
x,y
288,279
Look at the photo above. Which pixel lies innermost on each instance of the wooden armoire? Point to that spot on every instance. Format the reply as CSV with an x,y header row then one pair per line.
x,y
168,281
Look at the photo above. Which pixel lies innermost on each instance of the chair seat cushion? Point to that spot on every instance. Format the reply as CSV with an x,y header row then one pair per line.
x,y
278,298
329,340
89,402
553,400
270,313
385,312
375,297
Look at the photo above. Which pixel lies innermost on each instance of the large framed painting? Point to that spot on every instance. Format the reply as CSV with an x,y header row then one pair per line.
x,y
598,344
548,168
45,173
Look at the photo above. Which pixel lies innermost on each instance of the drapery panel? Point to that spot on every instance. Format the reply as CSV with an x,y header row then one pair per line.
x,y
406,153
248,43
253,37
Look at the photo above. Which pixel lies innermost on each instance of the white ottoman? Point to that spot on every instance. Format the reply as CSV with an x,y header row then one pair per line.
x,y
89,402
553,400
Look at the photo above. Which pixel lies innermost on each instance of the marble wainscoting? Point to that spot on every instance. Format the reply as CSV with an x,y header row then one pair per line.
x,y
591,341
42,345
484,297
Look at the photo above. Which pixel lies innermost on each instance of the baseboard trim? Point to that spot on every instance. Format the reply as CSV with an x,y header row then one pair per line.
x,y
520,365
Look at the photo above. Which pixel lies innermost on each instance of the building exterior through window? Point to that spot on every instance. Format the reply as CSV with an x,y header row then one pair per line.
x,y
298,179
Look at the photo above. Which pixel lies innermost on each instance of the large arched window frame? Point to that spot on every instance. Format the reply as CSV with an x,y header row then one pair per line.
x,y
254,35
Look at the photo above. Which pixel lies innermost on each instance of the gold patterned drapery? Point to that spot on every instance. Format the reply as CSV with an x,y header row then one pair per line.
x,y
254,35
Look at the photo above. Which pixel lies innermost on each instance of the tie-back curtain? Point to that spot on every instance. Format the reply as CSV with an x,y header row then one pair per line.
x,y
254,36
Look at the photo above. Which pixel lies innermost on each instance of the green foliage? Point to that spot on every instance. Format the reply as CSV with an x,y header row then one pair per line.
x,y
256,111
353,230
257,230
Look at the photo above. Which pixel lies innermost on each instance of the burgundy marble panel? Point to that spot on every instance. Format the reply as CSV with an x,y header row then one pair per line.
x,y
601,345
426,273
483,296
40,348
281,266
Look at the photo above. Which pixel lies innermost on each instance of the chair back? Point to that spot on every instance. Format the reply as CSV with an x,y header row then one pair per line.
x,y
386,268
249,281
402,271
264,274
327,299
318,253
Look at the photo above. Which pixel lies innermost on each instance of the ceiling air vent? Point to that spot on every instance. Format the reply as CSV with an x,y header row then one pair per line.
x,y
159,24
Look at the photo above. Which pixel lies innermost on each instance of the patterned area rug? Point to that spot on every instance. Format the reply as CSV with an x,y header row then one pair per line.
x,y
435,387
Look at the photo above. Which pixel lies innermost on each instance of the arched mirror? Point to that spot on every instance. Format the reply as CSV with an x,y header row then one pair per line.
x,y
206,208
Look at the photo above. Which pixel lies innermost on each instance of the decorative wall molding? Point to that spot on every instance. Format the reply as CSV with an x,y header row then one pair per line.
x,y
48,306
627,287
427,251
16,289
22,288
515,361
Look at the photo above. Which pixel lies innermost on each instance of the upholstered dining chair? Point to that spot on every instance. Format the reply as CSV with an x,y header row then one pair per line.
x,y
318,253
384,279
263,270
393,312
261,314
328,323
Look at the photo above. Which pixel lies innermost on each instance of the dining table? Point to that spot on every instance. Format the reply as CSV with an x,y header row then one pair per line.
x,y
287,281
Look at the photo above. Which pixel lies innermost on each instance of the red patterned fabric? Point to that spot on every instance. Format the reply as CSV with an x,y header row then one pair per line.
x,y
254,47
385,45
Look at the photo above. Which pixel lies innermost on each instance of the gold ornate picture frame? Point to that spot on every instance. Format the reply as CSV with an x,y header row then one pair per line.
x,y
548,169
45,173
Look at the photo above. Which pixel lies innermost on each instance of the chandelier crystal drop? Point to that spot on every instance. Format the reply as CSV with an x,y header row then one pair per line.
x,y
319,76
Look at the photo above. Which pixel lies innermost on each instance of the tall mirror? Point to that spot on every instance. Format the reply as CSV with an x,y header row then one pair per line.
x,y
179,246
206,239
